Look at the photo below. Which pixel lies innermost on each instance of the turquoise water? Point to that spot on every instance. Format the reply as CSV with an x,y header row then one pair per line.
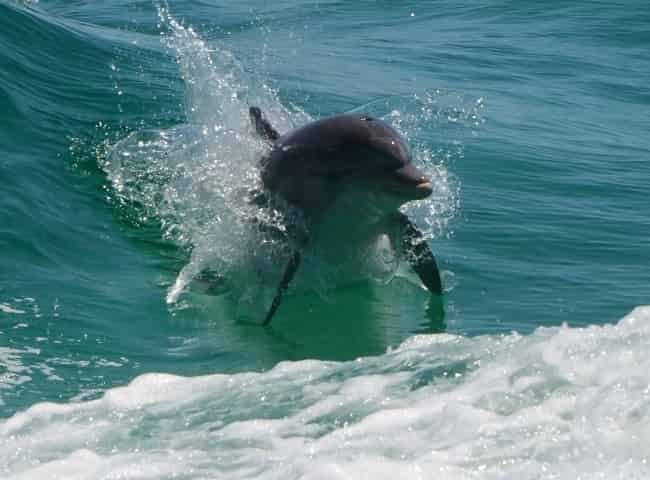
x,y
124,141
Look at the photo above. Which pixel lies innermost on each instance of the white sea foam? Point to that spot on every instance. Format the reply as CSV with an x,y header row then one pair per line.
x,y
21,306
561,403
6,308
12,371
19,366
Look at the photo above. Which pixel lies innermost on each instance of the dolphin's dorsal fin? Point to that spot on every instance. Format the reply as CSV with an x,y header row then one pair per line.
x,y
262,126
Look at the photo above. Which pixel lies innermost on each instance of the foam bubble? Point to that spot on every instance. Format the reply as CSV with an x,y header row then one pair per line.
x,y
6,308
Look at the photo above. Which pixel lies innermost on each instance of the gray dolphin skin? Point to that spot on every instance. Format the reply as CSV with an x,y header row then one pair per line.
x,y
311,166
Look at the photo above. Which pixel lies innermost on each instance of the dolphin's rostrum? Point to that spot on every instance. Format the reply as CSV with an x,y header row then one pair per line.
x,y
311,166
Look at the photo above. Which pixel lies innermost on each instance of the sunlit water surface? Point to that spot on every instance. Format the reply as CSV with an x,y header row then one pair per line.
x,y
133,283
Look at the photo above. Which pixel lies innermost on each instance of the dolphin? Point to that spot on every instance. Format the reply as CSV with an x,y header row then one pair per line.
x,y
312,167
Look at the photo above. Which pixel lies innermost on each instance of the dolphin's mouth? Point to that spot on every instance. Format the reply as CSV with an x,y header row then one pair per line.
x,y
423,190
410,181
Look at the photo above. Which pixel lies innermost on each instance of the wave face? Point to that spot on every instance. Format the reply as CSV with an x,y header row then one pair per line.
x,y
132,284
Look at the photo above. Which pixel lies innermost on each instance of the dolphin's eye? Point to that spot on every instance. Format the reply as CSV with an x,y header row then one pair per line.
x,y
366,118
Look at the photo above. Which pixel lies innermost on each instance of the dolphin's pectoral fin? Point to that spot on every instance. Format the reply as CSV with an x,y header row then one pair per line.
x,y
419,255
262,125
287,276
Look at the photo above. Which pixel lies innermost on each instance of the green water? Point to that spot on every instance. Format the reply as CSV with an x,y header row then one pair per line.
x,y
533,121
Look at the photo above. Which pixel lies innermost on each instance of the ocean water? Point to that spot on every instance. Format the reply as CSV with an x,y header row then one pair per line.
x,y
132,287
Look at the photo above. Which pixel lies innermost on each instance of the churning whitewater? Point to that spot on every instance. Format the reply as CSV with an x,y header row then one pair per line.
x,y
562,403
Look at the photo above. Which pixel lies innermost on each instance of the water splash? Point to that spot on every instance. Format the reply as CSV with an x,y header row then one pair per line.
x,y
196,179
452,117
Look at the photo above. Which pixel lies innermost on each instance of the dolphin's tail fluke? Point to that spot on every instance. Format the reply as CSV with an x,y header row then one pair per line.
x,y
262,125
